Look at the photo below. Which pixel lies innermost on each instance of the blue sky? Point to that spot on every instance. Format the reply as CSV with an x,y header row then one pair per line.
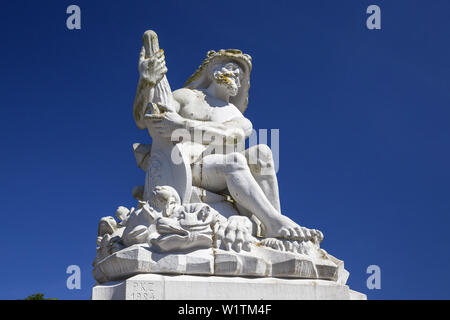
x,y
364,123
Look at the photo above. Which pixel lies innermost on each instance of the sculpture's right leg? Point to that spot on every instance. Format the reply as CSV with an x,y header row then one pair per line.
x,y
262,167
218,172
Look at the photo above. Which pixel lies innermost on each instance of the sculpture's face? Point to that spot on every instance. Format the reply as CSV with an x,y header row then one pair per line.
x,y
227,75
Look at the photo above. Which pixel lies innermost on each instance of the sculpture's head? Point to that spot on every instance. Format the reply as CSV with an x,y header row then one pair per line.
x,y
228,68
228,76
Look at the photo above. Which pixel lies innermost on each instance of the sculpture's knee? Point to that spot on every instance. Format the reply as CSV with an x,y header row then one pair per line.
x,y
235,161
260,158
265,153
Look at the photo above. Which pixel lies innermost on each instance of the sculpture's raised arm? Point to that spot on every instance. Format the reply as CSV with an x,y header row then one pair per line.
x,y
153,88
158,109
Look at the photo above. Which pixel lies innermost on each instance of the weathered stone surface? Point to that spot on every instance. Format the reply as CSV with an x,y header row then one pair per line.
x,y
259,262
294,268
138,259
230,263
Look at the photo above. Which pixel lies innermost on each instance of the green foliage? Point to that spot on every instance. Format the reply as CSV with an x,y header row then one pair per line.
x,y
38,296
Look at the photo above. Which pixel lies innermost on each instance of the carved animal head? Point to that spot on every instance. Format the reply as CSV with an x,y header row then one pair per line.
x,y
165,199
188,227
107,225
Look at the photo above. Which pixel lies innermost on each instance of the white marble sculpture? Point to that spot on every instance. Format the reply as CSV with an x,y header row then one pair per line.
x,y
200,211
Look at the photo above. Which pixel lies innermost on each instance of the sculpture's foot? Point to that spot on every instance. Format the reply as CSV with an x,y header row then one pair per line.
x,y
273,243
235,233
302,247
284,228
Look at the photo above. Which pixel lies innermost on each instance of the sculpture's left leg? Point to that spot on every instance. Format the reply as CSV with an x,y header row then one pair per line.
x,y
260,162
218,172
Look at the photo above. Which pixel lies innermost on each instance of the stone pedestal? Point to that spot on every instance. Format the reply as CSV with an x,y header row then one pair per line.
x,y
187,287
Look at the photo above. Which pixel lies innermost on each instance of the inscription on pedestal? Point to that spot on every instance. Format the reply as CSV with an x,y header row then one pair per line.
x,y
144,290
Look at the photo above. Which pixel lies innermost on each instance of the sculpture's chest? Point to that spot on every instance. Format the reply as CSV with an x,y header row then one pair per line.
x,y
198,110
201,110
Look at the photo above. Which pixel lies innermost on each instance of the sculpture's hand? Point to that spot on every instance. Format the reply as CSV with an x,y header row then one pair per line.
x,y
164,124
234,135
152,69
235,233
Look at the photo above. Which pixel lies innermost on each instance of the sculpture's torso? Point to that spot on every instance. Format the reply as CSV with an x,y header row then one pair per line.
x,y
196,105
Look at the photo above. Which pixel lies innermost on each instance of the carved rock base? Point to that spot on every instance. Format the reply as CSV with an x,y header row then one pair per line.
x,y
187,287
260,262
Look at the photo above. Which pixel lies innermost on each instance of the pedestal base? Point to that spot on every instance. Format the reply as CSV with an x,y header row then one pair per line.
x,y
185,287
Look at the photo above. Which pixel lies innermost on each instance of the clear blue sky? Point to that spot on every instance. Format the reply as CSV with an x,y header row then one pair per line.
x,y
364,123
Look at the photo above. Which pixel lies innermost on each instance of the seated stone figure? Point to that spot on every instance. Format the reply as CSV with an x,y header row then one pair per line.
x,y
208,206
212,102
